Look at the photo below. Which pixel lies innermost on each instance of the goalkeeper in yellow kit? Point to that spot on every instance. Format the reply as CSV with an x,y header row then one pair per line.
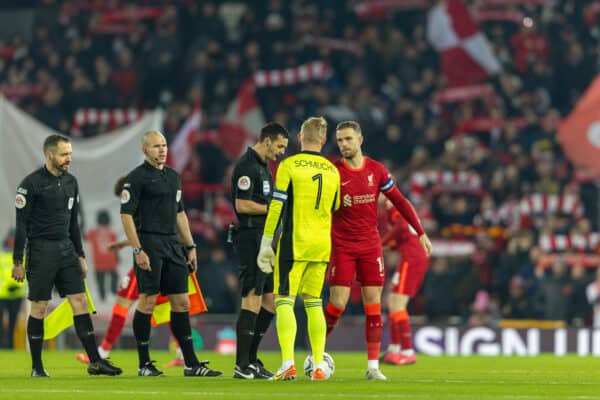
x,y
307,192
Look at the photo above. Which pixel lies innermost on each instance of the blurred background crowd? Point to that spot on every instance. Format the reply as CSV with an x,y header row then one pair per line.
x,y
514,222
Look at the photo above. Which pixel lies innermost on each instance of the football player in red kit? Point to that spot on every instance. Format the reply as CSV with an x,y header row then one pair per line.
x,y
356,246
405,285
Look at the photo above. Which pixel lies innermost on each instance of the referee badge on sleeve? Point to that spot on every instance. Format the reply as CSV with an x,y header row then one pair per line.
x,y
71,202
125,196
243,182
20,201
266,188
178,196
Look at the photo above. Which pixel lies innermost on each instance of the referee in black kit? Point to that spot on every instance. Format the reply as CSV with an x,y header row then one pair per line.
x,y
251,191
47,203
154,219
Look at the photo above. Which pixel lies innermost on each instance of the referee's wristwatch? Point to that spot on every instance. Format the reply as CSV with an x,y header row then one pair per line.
x,y
137,250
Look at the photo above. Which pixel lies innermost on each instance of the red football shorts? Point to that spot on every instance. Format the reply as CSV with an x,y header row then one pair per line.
x,y
128,288
409,276
366,266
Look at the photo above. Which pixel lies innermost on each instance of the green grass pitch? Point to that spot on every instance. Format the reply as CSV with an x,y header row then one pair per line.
x,y
519,378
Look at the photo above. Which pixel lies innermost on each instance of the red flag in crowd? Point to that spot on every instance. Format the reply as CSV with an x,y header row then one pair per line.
x,y
579,132
180,150
243,121
465,54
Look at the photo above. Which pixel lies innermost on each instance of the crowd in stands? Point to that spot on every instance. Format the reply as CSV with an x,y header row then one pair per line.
x,y
481,164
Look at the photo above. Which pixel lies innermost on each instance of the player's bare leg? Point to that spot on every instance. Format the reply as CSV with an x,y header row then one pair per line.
x,y
400,351
338,298
371,297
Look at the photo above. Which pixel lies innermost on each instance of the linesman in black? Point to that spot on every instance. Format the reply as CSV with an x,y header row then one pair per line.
x,y
251,191
164,252
47,203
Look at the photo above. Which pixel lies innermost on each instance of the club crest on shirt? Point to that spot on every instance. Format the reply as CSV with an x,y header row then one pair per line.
x,y
243,182
125,196
370,179
266,188
20,201
71,202
178,196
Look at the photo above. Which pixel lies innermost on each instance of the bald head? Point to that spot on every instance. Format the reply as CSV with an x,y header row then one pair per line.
x,y
154,146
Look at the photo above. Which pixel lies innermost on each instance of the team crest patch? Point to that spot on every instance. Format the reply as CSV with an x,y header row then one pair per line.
x,y
178,196
243,183
266,188
125,196
71,202
370,179
20,201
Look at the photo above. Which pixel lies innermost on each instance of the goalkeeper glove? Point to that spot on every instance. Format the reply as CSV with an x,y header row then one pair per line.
x,y
266,256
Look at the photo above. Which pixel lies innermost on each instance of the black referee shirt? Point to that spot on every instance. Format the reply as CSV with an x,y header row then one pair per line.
x,y
47,208
251,180
153,197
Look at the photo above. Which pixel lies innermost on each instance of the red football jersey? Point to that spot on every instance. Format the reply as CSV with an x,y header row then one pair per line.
x,y
355,223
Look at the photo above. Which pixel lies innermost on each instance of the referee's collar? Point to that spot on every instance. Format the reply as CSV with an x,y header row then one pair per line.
x,y
255,154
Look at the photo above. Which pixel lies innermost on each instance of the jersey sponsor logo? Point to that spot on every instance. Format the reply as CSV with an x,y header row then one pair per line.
x,y
22,190
370,180
347,200
364,198
345,183
71,202
125,196
266,188
178,196
20,201
243,182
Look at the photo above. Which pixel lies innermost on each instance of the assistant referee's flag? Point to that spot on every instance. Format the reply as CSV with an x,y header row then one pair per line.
x,y
162,310
62,317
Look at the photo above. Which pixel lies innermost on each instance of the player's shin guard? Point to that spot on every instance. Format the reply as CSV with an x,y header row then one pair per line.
x,y
332,315
180,325
263,321
316,327
400,329
286,327
35,337
141,331
85,332
115,326
373,332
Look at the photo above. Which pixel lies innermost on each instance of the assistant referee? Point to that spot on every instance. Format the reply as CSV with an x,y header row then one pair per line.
x,y
47,203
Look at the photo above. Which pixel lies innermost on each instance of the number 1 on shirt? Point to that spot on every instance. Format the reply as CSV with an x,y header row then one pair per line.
x,y
318,177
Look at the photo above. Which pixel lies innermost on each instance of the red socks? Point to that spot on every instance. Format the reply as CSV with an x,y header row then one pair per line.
x,y
115,327
332,315
373,330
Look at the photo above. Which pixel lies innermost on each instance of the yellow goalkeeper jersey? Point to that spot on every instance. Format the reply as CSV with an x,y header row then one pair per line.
x,y
307,192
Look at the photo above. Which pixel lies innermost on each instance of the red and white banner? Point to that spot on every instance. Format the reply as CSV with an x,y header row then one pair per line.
x,y
536,204
466,56
560,243
112,118
292,76
579,132
180,149
444,181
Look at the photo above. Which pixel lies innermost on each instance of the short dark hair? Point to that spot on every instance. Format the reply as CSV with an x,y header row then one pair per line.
x,y
52,141
119,186
103,218
271,130
349,124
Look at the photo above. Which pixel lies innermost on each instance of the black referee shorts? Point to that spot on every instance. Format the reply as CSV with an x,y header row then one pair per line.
x,y
168,261
52,263
247,245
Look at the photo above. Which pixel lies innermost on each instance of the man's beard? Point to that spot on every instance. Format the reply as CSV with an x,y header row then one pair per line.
x,y
350,154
